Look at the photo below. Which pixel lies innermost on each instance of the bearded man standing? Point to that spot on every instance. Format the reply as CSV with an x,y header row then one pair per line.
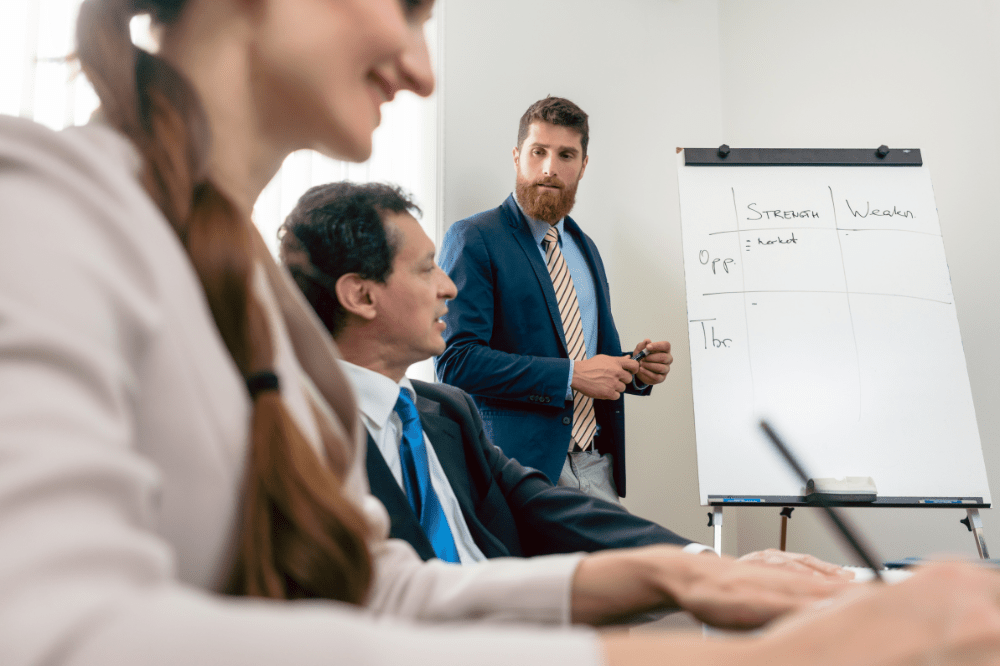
x,y
530,333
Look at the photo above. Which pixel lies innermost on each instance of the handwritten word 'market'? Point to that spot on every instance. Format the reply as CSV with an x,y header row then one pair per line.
x,y
794,240
785,215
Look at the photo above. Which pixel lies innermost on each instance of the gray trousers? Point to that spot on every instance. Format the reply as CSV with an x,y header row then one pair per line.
x,y
591,472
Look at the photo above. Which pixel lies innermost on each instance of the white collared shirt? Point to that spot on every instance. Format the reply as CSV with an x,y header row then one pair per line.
x,y
377,397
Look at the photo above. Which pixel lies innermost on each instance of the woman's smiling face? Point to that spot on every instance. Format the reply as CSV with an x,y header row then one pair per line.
x,y
321,69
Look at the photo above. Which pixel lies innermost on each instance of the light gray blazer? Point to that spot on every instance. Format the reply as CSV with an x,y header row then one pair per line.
x,y
123,435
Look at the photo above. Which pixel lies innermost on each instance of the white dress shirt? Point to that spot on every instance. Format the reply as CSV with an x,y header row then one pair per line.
x,y
377,397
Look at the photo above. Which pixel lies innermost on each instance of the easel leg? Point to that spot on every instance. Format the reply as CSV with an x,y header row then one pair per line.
x,y
717,523
975,524
786,514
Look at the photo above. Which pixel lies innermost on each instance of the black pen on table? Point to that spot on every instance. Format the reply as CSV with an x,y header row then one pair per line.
x,y
852,537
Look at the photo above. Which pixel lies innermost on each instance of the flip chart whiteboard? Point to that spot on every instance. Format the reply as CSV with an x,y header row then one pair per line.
x,y
819,298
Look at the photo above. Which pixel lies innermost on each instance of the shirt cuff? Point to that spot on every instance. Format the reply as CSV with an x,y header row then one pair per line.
x,y
639,386
695,548
569,382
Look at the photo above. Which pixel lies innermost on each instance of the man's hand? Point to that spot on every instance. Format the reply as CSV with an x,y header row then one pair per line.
x,y
797,562
740,595
718,591
602,376
653,368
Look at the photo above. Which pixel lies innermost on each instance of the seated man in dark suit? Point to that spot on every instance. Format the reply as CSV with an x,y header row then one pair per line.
x,y
368,269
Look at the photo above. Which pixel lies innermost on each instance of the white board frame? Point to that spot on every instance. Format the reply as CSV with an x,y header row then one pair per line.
x,y
919,442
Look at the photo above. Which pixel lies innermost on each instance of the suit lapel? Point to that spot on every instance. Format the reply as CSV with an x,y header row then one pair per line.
x,y
446,437
522,233
384,486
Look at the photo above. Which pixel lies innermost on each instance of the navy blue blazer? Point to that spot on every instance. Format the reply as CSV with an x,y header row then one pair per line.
x,y
510,510
505,341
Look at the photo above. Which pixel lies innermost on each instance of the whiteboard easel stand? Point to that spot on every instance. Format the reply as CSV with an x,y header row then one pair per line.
x,y
975,526
724,155
786,514
715,519
972,520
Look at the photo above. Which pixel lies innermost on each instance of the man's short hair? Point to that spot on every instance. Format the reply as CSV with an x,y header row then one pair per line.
x,y
336,229
557,111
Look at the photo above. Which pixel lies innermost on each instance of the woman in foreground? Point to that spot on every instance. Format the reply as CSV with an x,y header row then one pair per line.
x,y
179,453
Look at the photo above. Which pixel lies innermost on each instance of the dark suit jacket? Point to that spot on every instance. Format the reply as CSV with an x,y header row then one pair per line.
x,y
510,510
506,345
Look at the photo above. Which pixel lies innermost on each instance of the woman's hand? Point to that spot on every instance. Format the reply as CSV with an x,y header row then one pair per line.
x,y
944,614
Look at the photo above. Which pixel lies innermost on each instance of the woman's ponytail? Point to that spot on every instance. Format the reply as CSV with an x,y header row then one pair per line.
x,y
298,536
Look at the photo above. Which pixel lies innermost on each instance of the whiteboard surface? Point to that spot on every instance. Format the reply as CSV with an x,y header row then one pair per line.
x,y
819,298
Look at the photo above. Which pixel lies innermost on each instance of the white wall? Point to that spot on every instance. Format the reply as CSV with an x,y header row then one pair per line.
x,y
656,74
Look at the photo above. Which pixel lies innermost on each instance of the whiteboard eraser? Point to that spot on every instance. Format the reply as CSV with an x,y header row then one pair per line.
x,y
846,490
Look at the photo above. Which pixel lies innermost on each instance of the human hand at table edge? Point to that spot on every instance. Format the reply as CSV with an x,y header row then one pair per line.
x,y
722,592
796,561
945,614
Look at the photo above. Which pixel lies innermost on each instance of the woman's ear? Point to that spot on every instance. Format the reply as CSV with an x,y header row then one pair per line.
x,y
354,294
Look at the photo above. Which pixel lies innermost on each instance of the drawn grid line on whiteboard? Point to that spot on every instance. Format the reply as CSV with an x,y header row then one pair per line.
x,y
746,319
817,291
850,310
835,229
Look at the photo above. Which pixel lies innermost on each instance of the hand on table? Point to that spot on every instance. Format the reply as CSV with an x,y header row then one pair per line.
x,y
946,613
719,591
733,594
797,562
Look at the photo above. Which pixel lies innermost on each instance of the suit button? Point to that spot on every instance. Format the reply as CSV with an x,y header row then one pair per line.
x,y
567,420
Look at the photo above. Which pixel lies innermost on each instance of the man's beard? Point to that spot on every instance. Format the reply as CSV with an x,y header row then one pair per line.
x,y
550,207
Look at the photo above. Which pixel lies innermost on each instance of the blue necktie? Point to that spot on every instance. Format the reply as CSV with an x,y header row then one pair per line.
x,y
417,481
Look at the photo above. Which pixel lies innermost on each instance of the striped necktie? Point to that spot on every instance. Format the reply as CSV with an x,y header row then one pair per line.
x,y
584,421
417,480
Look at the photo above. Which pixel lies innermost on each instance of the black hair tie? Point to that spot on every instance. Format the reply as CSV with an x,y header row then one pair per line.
x,y
260,382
